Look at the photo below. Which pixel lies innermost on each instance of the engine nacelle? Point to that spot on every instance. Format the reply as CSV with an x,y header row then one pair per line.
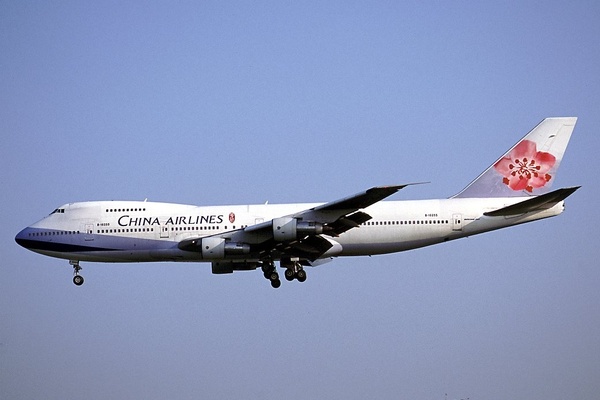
x,y
288,228
236,249
227,267
218,248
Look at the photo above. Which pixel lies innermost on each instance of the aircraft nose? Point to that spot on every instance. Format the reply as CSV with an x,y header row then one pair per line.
x,y
21,238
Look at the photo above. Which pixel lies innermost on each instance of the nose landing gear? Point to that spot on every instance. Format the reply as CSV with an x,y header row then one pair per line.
x,y
77,279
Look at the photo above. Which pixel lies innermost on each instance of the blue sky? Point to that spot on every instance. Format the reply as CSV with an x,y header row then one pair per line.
x,y
241,102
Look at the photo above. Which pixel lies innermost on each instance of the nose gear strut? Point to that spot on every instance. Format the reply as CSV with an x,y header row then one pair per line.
x,y
77,279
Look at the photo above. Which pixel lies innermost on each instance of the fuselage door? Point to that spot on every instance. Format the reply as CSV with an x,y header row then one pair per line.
x,y
88,232
457,222
164,231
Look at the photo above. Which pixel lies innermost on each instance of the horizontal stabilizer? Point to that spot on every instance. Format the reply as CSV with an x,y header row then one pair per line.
x,y
537,203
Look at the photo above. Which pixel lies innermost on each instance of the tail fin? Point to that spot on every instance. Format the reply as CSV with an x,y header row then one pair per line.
x,y
529,167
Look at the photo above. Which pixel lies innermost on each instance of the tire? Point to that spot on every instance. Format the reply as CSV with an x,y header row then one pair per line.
x,y
78,280
289,275
301,275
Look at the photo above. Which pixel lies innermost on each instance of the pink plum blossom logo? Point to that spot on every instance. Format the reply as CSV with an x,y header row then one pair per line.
x,y
525,168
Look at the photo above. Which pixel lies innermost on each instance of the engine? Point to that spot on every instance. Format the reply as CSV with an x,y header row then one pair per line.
x,y
288,228
218,248
227,267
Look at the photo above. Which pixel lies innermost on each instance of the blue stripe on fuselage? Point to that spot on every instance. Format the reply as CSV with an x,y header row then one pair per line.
x,y
69,242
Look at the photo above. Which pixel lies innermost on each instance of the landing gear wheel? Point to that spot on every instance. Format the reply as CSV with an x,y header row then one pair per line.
x,y
274,278
301,275
289,275
77,279
267,268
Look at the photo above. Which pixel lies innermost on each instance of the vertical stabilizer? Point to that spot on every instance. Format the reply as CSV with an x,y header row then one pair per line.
x,y
529,167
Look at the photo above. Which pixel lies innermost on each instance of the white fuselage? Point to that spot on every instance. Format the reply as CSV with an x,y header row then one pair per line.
x,y
129,231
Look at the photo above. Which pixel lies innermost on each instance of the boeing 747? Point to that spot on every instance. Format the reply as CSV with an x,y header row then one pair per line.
x,y
513,190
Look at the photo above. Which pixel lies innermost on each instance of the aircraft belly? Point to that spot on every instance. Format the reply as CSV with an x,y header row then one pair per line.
x,y
363,249
369,240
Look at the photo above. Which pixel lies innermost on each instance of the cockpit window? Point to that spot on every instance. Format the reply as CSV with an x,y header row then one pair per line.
x,y
58,210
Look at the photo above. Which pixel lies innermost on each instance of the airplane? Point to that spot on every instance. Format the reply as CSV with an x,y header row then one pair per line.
x,y
513,190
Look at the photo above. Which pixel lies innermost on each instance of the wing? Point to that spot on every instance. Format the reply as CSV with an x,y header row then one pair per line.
x,y
305,235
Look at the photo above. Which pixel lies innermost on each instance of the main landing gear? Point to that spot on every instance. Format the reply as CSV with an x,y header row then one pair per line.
x,y
270,273
77,279
293,270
